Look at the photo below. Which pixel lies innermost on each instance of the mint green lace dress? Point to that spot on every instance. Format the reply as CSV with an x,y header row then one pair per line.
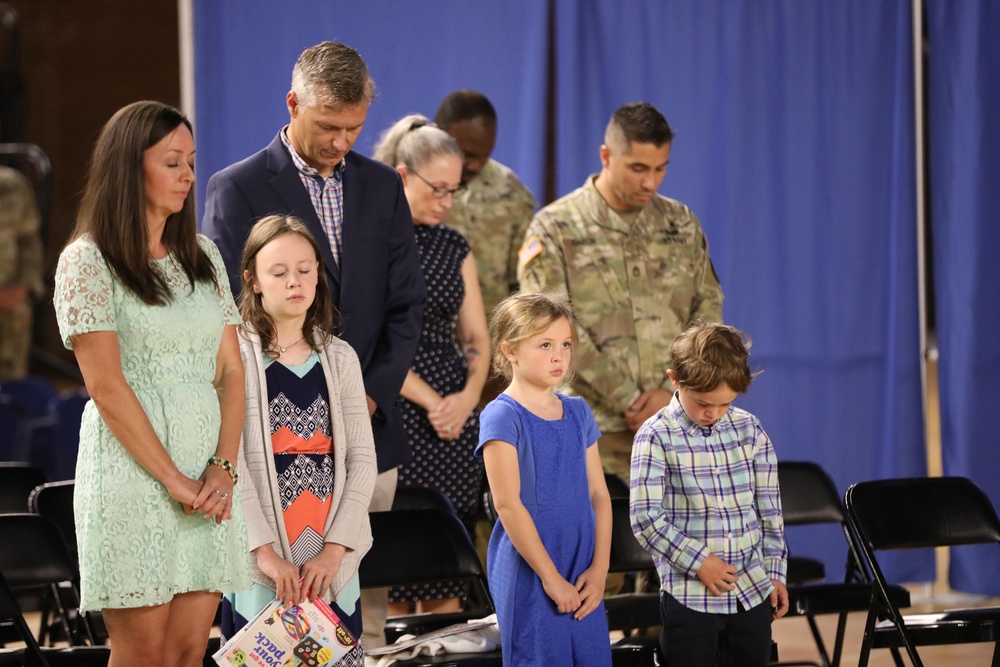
x,y
137,547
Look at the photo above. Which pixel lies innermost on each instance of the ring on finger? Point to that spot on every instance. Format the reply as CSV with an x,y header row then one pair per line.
x,y
216,491
225,496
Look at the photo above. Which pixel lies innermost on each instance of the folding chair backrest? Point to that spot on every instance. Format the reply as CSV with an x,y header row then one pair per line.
x,y
55,500
418,546
627,555
421,498
617,487
17,481
921,512
33,552
808,495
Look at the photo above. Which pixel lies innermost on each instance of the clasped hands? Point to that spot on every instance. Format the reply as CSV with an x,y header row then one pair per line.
x,y
448,417
211,495
292,586
580,599
720,578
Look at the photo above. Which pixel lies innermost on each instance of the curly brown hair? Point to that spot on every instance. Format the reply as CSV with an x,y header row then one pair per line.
x,y
707,354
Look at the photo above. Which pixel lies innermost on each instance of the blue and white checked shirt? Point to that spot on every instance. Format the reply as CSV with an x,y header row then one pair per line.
x,y
698,490
327,195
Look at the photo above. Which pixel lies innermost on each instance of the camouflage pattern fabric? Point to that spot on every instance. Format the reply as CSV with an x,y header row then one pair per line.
x,y
634,288
20,264
492,213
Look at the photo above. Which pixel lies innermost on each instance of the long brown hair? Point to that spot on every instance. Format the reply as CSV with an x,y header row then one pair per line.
x,y
321,315
113,209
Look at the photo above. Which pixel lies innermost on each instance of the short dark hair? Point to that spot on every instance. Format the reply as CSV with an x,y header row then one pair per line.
x,y
638,122
707,354
462,105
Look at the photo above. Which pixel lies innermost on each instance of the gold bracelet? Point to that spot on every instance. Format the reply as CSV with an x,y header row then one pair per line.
x,y
225,465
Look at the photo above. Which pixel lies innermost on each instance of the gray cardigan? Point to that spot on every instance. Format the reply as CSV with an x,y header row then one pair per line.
x,y
353,452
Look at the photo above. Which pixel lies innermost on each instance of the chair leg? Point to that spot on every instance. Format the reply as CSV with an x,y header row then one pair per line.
x,y
838,643
866,642
818,638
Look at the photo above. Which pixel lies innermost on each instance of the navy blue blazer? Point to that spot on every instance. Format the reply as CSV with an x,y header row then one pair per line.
x,y
378,286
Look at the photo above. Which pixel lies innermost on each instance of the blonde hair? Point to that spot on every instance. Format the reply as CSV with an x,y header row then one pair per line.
x,y
707,354
412,141
522,316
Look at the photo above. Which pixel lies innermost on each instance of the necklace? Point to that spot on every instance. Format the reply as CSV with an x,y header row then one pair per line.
x,y
285,349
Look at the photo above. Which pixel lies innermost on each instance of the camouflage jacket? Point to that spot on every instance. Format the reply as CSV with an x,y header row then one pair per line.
x,y
20,244
492,214
633,290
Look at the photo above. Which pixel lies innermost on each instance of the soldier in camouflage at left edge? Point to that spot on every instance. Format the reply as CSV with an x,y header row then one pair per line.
x,y
20,270
636,269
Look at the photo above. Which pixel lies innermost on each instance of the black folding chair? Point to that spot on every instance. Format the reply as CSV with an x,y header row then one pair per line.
x,y
913,514
422,546
809,497
34,558
34,655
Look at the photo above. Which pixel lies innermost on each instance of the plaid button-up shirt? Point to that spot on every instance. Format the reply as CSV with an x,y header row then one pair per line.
x,y
327,195
697,491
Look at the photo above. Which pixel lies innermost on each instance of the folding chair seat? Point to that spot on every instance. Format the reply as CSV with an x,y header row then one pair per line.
x,y
421,546
34,557
915,513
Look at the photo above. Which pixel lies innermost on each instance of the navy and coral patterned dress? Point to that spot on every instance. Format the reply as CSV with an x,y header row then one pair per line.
x,y
301,439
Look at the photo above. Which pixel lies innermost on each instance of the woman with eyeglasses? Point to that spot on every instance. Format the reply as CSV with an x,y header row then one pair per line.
x,y
446,378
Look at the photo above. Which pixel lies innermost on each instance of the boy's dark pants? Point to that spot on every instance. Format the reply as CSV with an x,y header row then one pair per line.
x,y
697,639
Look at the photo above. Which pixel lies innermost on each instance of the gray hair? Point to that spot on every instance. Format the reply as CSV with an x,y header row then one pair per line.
x,y
412,141
333,75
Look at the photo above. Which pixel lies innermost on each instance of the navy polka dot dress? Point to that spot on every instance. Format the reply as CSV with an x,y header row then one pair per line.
x,y
448,466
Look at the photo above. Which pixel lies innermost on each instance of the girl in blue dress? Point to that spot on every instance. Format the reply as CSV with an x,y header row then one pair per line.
x,y
548,555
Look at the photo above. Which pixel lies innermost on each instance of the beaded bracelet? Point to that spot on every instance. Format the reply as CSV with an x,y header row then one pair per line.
x,y
225,465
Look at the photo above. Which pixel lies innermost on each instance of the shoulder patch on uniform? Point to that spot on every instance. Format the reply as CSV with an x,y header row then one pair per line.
x,y
531,249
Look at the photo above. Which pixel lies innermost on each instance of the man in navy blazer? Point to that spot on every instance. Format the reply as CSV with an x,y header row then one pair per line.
x,y
356,209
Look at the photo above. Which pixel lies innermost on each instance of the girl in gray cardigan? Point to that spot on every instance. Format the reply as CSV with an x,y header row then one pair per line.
x,y
307,459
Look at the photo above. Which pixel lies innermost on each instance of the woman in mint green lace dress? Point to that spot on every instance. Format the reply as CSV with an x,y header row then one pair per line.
x,y
144,303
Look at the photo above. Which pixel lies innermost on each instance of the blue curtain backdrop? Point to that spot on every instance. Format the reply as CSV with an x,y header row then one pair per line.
x,y
964,101
795,148
417,51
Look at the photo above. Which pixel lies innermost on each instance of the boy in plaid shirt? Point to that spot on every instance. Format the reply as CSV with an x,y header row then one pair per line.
x,y
705,504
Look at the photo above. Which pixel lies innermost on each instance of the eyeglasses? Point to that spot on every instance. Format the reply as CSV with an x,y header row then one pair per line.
x,y
438,191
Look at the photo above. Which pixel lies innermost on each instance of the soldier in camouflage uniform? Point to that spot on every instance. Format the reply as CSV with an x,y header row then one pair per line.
x,y
20,270
495,208
635,266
